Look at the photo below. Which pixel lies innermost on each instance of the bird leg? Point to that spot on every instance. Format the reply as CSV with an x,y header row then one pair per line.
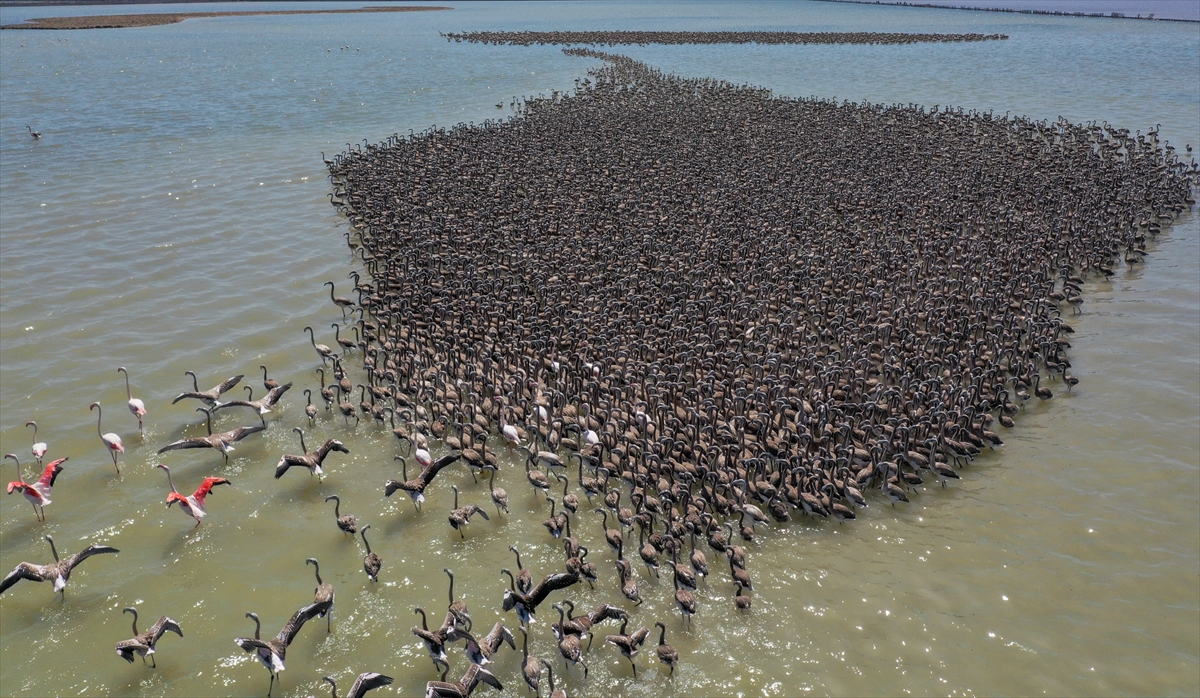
x,y
153,662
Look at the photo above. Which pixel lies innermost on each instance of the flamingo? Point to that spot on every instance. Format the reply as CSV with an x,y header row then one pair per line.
x,y
136,406
511,435
210,396
311,459
142,644
38,449
271,653
368,681
263,405
222,442
38,493
340,302
111,441
193,506
58,572
322,350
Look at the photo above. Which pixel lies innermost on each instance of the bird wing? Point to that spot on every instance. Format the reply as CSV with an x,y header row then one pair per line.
x,y
368,682
242,432
199,396
501,634
605,612
476,509
195,442
235,403
25,570
250,644
51,472
470,679
435,467
206,487
485,676
552,582
330,445
87,552
390,487
275,393
297,621
163,625
227,384
126,648
442,689
289,461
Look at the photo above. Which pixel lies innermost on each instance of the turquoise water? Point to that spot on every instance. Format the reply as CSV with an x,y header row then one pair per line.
x,y
175,217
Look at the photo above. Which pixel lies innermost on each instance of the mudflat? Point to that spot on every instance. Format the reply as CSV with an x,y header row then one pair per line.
x,y
156,19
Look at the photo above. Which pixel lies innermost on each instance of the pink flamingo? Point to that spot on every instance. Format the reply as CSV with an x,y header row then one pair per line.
x,y
38,493
111,441
193,506
38,449
136,406
423,457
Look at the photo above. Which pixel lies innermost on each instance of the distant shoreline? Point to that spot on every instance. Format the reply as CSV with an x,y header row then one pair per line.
x,y
1052,13
92,3
156,19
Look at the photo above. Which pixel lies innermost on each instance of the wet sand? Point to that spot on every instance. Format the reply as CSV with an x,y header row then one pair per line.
x,y
156,19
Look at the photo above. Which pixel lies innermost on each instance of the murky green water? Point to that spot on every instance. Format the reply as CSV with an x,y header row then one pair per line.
x,y
174,217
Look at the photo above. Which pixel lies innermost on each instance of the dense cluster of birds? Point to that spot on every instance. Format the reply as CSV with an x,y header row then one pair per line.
x,y
697,308
642,38
728,308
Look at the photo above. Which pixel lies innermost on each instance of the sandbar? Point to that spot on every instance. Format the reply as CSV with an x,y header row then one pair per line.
x,y
154,19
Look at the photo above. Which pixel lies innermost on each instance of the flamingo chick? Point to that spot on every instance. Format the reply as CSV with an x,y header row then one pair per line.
x,y
58,572
142,644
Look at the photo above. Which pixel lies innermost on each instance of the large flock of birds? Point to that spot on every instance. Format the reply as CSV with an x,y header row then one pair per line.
x,y
697,308
642,38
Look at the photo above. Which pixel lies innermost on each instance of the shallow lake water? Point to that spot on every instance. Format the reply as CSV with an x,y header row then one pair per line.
x,y
175,217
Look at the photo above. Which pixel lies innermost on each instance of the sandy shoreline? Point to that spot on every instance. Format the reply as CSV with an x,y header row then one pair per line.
x,y
157,19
